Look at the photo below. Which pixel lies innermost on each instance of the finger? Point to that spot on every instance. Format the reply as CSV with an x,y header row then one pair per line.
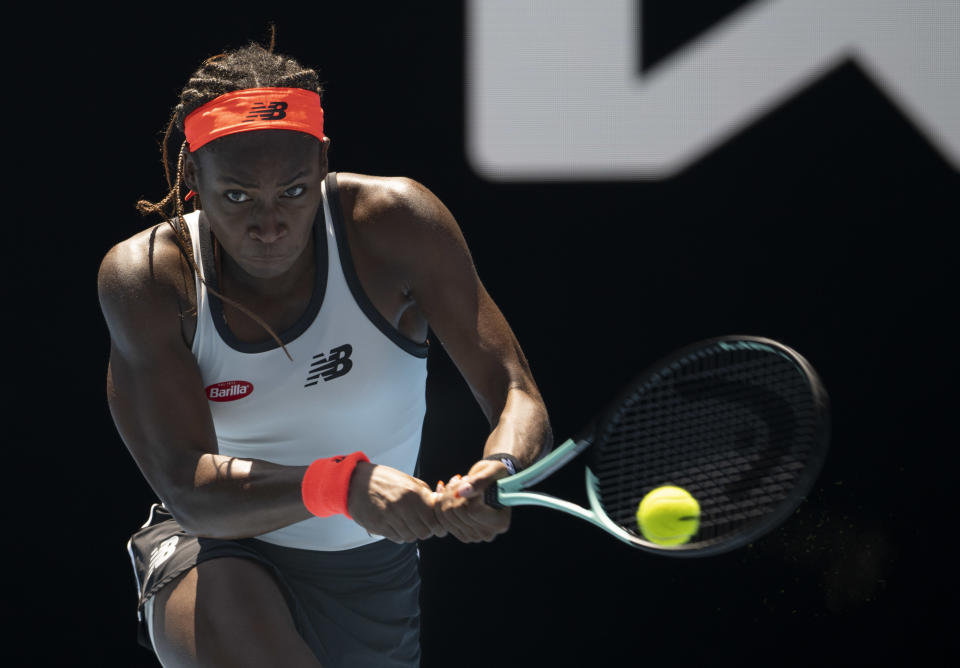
x,y
378,528
457,485
465,489
468,517
440,529
485,522
462,532
422,522
500,523
396,529
432,519
422,530
445,515
455,527
387,534
460,523
420,517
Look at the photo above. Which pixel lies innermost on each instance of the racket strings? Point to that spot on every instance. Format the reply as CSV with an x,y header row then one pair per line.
x,y
734,427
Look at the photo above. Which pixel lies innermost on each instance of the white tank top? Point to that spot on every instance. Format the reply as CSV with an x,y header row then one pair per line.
x,y
355,382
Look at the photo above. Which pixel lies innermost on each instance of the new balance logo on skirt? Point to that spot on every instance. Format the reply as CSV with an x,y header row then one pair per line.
x,y
161,553
337,363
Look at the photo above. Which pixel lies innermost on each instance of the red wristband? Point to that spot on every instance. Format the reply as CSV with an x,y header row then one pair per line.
x,y
326,484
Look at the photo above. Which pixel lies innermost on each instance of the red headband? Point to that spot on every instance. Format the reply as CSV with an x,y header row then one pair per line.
x,y
255,109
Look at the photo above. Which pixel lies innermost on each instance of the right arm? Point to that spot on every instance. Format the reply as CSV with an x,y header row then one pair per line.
x,y
158,403
159,406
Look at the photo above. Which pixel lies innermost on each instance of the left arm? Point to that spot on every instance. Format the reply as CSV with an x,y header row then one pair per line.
x,y
442,281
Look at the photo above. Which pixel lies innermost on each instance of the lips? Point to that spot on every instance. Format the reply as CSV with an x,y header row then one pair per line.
x,y
267,259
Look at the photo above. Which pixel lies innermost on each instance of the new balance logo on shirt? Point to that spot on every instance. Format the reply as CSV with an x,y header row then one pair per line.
x,y
333,365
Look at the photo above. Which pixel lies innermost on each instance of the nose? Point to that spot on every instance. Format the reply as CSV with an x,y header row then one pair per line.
x,y
268,229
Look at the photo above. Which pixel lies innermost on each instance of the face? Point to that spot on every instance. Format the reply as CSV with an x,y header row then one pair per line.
x,y
260,192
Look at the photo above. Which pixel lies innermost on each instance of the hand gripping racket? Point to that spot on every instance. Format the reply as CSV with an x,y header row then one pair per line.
x,y
740,422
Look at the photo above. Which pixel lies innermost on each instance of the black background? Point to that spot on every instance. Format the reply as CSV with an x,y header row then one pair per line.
x,y
825,225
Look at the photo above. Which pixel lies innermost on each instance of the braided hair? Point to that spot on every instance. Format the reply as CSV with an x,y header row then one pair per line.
x,y
252,66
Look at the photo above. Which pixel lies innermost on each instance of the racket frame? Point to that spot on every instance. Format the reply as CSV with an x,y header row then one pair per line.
x,y
508,491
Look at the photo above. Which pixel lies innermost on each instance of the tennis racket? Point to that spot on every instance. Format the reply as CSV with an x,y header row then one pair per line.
x,y
741,422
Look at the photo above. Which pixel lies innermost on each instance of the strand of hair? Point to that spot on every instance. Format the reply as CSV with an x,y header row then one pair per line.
x,y
182,233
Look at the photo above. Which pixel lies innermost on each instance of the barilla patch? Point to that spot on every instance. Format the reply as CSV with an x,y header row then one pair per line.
x,y
229,390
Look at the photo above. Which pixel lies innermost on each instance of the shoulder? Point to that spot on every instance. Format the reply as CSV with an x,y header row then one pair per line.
x,y
397,215
381,191
141,280
147,261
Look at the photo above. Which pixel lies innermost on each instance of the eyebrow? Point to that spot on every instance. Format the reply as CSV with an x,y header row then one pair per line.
x,y
252,186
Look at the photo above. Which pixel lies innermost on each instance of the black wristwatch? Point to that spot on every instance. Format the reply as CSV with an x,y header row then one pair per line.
x,y
512,463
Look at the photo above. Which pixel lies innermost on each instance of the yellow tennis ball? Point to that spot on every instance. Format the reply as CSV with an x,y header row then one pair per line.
x,y
668,515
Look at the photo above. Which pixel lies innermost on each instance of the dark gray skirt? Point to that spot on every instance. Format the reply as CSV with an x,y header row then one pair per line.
x,y
357,607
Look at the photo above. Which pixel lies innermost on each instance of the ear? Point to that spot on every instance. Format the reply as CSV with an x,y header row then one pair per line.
x,y
190,172
324,147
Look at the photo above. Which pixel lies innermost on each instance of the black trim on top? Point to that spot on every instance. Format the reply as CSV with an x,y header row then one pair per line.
x,y
302,323
353,281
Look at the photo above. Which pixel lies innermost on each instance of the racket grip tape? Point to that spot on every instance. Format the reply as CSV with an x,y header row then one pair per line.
x,y
491,497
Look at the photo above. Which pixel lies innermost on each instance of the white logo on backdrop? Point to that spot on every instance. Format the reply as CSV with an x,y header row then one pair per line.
x,y
554,92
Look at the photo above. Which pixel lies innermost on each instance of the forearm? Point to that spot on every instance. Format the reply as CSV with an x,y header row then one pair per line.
x,y
208,494
238,498
522,429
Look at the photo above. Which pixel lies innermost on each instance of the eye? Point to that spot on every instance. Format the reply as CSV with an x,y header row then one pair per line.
x,y
237,196
294,191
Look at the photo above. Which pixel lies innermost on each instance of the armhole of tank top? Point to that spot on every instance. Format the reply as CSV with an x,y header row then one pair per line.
x,y
198,286
353,281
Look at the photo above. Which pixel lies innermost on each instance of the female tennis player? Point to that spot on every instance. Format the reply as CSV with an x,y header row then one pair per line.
x,y
267,373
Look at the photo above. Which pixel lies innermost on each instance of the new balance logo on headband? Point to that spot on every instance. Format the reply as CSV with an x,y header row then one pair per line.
x,y
331,366
266,112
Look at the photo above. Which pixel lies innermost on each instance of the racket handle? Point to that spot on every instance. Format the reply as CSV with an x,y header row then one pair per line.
x,y
491,496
